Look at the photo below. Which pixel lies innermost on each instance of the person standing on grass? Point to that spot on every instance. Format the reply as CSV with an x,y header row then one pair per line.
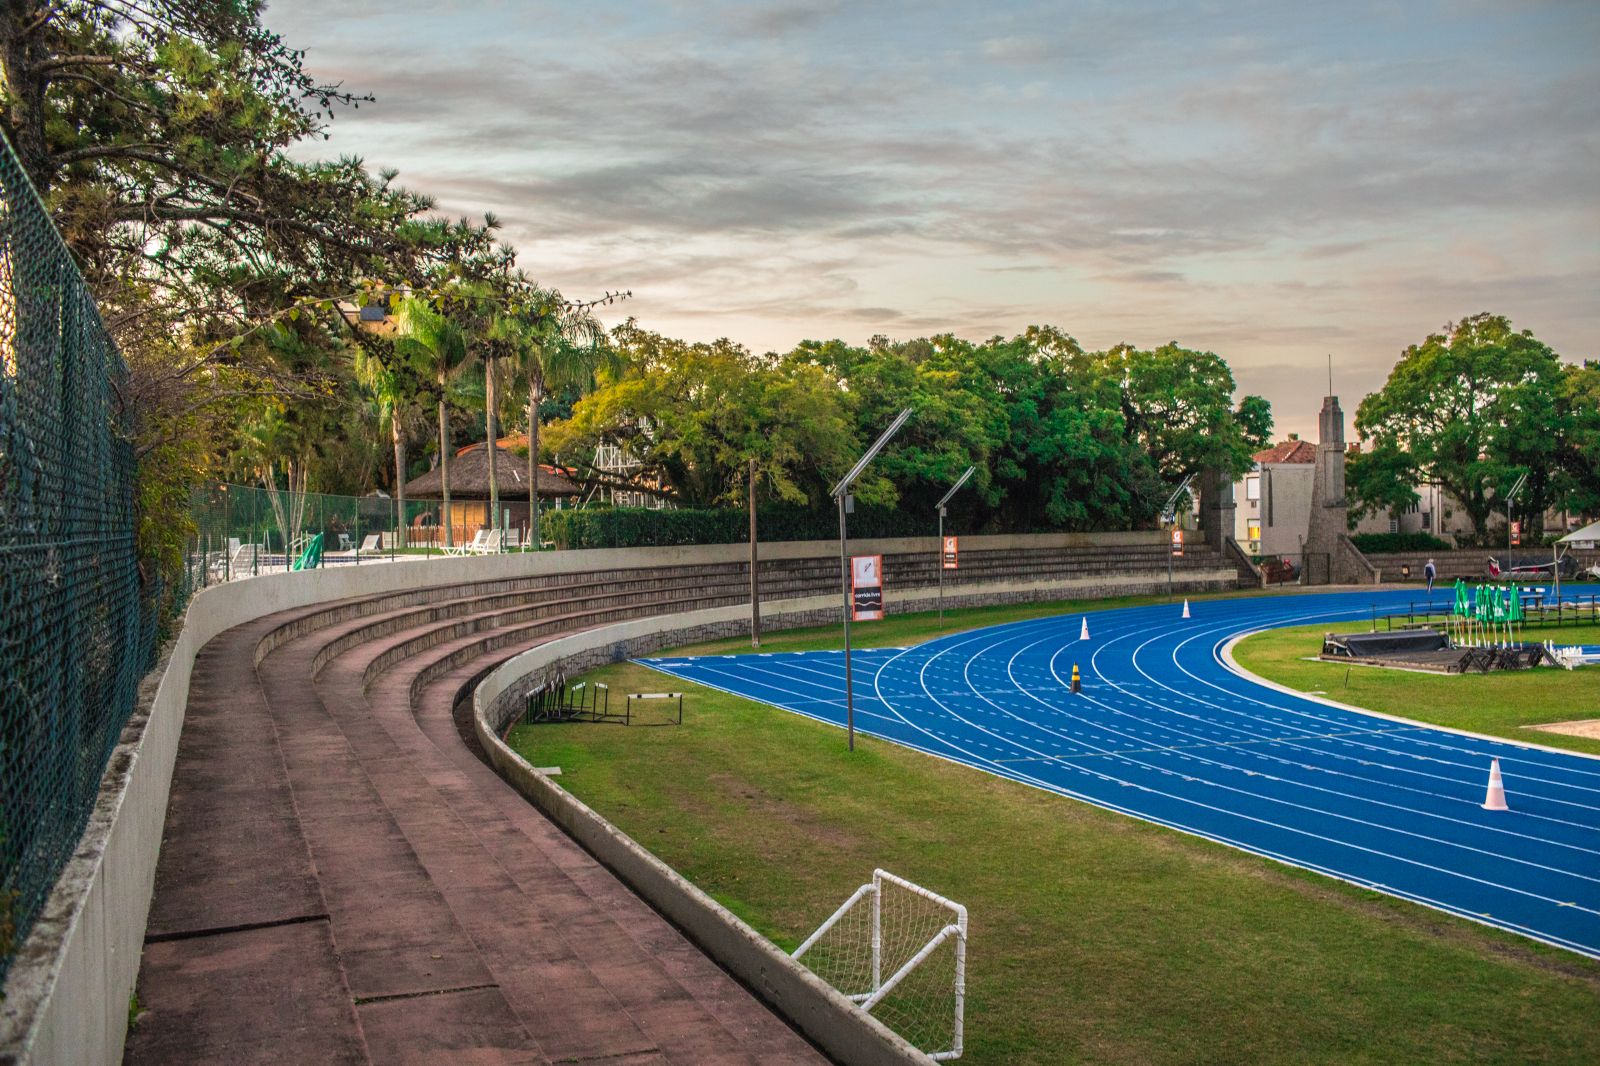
x,y
1430,572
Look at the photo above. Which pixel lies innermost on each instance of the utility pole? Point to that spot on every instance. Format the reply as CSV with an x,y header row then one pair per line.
x,y
939,557
755,579
841,493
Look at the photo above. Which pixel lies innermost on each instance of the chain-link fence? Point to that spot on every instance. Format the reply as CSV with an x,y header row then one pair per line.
x,y
247,530
74,632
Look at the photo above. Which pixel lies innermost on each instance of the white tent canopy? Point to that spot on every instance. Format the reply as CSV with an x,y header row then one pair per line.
x,y
1587,537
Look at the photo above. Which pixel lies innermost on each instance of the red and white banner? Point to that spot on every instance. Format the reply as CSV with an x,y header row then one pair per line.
x,y
866,588
1177,542
950,553
1516,533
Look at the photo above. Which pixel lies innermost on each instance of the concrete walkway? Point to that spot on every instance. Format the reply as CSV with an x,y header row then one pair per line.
x,y
341,880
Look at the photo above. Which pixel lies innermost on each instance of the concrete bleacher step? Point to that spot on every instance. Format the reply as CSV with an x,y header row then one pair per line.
x,y
473,858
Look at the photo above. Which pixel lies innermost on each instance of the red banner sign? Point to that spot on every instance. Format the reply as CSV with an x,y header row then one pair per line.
x,y
1177,542
950,553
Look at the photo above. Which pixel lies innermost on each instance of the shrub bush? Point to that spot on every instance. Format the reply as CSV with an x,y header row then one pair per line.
x,y
1385,543
634,527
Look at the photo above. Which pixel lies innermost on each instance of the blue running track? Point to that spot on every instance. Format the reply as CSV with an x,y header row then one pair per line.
x,y
1166,731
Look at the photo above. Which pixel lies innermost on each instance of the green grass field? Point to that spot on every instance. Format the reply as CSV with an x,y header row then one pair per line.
x,y
1094,937
1501,703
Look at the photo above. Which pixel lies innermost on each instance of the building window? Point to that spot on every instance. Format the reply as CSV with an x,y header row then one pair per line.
x,y
1254,534
1427,521
1394,525
1252,489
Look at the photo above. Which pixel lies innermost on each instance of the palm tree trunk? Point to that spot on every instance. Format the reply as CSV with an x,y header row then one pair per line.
x,y
444,463
399,479
533,461
488,426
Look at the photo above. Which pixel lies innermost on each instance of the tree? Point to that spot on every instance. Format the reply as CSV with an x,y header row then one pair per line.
x,y
1178,404
552,345
435,345
695,414
395,386
1578,455
1473,406
1380,479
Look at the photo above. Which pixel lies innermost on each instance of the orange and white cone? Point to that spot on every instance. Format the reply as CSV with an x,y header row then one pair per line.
x,y
1186,608
1496,799
1084,634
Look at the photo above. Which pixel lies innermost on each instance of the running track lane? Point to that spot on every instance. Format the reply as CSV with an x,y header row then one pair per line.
x,y
1167,731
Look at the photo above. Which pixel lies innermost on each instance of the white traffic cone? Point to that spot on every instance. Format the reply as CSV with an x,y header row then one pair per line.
x,y
1084,634
1186,608
1496,799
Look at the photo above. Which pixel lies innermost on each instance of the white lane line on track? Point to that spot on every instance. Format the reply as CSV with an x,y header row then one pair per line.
x,y
1185,801
988,766
1472,770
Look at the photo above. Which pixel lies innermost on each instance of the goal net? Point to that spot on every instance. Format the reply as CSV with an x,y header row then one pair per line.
x,y
898,951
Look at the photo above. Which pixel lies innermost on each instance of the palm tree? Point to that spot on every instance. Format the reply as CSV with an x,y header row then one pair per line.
x,y
435,345
553,346
393,386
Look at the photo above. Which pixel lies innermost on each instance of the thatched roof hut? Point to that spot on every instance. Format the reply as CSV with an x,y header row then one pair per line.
x,y
469,476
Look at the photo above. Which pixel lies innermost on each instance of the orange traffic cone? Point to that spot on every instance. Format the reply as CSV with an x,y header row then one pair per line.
x,y
1496,799
1084,635
1186,608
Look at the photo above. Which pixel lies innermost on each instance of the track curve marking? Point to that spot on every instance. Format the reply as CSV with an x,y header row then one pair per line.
x,y
1169,730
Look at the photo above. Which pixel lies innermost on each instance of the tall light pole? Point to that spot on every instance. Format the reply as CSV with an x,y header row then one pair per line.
x,y
1521,481
939,558
841,493
1169,516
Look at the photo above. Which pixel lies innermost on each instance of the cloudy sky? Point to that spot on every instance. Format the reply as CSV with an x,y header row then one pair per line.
x,y
1273,183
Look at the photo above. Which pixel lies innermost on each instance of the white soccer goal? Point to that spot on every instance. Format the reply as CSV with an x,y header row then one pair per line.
x,y
900,952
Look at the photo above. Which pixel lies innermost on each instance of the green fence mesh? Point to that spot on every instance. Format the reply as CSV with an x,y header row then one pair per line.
x,y
74,633
249,530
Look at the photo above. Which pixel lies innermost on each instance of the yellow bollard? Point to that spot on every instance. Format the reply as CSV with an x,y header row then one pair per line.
x,y
1077,682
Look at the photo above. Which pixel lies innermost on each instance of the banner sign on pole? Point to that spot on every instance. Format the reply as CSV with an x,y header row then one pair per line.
x,y
1177,542
950,553
1516,533
866,588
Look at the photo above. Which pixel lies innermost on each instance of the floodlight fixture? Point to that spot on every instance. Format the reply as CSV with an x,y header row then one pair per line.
x,y
872,453
962,480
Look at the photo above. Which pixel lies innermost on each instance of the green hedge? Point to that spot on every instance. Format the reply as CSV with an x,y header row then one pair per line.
x,y
1388,543
630,527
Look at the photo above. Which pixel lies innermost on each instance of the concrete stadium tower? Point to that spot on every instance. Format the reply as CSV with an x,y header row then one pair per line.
x,y
1326,523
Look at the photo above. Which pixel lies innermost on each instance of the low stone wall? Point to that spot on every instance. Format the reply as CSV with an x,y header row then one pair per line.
x,y
1469,564
845,1032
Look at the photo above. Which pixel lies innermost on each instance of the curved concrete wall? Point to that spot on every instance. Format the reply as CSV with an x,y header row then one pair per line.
x,y
67,993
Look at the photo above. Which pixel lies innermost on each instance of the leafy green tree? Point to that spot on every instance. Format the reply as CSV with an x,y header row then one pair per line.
x,y
1474,407
552,345
430,341
1578,456
956,424
396,388
1178,404
1380,480
696,414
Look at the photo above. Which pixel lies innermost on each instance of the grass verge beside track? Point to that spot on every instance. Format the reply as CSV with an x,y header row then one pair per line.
x,y
1500,704
1095,937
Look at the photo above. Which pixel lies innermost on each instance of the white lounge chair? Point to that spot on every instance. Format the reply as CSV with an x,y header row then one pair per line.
x,y
345,543
493,544
473,548
372,543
